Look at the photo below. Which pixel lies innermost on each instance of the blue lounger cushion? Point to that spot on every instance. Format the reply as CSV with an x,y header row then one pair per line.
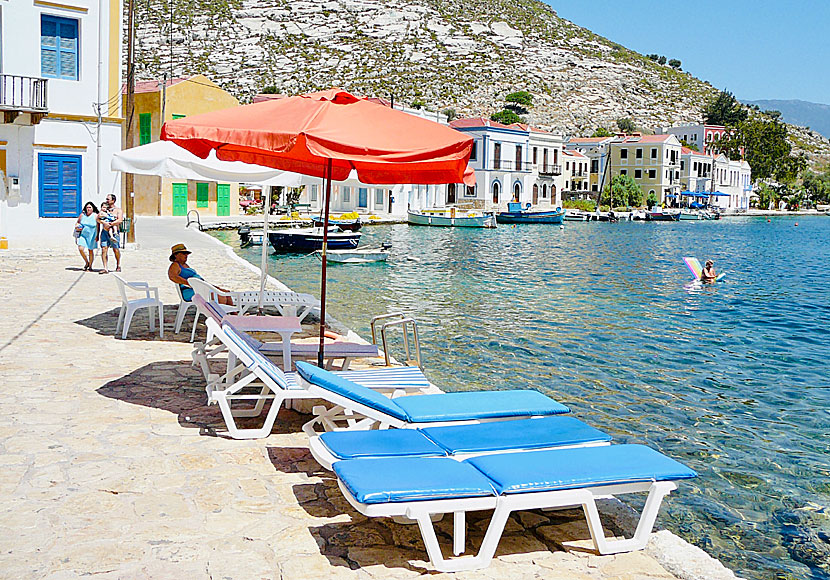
x,y
538,433
381,443
443,407
478,405
352,391
401,479
372,481
575,468
521,434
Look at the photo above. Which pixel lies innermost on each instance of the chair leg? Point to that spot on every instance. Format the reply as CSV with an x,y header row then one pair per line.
x,y
195,322
120,319
151,315
180,314
127,320
161,320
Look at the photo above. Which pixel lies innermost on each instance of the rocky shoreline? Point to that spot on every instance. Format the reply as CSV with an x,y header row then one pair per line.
x,y
113,465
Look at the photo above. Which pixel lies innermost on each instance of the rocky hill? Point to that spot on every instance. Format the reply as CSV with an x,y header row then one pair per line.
x,y
464,55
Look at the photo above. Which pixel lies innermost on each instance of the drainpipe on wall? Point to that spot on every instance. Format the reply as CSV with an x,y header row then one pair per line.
x,y
101,98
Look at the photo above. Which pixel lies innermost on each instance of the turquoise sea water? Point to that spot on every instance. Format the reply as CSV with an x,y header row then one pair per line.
x,y
731,379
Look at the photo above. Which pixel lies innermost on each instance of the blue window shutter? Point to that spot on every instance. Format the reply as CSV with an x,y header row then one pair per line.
x,y
60,185
58,47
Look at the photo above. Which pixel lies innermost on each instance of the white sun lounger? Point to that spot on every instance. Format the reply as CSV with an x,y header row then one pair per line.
x,y
204,352
367,405
417,488
362,408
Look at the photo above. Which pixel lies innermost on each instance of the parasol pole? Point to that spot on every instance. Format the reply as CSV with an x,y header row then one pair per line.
x,y
323,277
265,242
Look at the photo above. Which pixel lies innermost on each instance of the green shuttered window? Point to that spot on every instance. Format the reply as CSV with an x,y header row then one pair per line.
x,y
202,194
145,128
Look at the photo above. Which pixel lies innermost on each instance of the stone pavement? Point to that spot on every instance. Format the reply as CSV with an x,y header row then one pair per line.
x,y
112,465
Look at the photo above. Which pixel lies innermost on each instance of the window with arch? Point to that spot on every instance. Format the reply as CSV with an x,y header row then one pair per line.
x,y
495,192
517,191
544,191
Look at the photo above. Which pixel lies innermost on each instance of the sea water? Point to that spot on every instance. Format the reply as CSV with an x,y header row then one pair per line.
x,y
730,378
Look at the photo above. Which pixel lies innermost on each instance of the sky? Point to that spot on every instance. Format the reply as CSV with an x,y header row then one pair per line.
x,y
756,49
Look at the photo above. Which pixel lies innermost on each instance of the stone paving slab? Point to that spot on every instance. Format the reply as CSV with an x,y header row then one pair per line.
x,y
111,464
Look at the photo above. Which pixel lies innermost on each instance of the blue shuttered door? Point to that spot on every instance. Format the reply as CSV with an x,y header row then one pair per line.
x,y
59,185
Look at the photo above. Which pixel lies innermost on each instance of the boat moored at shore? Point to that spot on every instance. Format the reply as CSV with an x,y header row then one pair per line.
x,y
451,217
310,239
516,215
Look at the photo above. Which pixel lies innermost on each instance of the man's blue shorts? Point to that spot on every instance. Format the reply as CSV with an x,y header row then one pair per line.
x,y
111,239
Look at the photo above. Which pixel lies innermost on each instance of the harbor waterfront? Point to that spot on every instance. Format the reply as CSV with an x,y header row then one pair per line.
x,y
729,379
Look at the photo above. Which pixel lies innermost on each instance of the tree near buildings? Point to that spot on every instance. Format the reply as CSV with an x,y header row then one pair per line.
x,y
506,117
764,145
602,132
724,110
624,192
626,125
817,186
516,104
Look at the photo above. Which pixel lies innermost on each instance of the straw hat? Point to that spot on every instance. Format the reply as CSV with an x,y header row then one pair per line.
x,y
178,249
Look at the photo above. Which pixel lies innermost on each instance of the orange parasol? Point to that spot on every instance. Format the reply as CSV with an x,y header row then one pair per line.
x,y
329,134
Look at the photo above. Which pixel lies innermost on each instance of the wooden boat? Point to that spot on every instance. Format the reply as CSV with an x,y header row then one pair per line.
x,y
516,215
352,225
310,239
356,256
659,216
451,217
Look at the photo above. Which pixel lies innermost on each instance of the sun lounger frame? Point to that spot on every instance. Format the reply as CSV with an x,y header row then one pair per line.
x,y
503,505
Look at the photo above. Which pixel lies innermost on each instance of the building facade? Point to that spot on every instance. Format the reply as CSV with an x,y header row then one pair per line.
x,y
157,102
576,171
653,161
61,113
546,153
703,137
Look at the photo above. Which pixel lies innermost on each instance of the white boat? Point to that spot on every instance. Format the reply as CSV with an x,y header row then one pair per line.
x,y
575,215
362,256
452,217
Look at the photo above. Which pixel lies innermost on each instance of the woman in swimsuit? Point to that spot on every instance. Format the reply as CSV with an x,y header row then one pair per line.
x,y
709,274
179,273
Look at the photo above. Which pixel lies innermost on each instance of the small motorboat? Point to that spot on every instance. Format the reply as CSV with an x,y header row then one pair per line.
x,y
310,239
575,215
516,215
350,225
452,217
662,216
356,256
248,237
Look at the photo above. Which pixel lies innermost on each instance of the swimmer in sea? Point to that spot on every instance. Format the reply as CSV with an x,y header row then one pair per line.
x,y
708,274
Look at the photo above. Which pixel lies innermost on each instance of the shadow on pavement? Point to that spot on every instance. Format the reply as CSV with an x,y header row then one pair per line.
x,y
105,323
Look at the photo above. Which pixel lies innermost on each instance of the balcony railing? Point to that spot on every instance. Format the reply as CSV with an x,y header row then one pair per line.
x,y
550,170
20,94
509,165
580,175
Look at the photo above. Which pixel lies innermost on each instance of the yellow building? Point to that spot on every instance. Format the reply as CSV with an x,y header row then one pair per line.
x,y
156,103
652,160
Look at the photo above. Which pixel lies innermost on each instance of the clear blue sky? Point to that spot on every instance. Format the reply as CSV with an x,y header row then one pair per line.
x,y
757,49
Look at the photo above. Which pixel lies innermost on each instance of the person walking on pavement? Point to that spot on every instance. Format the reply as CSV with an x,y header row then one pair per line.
x,y
110,236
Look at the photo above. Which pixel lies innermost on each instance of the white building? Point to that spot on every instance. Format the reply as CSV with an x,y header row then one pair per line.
x,y
695,170
502,163
60,100
577,175
732,184
546,151
704,137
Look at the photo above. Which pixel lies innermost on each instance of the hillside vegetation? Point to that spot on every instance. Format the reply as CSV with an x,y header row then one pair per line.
x,y
463,55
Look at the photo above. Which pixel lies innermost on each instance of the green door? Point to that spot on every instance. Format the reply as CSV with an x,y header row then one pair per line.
x,y
202,195
179,199
223,199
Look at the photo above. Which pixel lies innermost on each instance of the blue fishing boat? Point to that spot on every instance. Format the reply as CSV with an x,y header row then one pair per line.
x,y
310,239
516,215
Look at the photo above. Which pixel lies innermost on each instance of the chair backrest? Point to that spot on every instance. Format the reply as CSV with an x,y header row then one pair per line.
x,y
179,291
203,289
351,391
122,287
208,309
244,347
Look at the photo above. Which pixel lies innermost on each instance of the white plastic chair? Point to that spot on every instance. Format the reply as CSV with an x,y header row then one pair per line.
x,y
211,293
184,306
128,307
